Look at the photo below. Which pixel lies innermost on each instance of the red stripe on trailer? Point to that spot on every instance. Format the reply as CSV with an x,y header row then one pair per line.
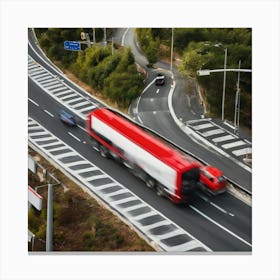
x,y
155,147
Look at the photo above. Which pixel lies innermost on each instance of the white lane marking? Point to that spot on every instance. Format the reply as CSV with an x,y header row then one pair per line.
x,y
50,114
138,101
157,90
220,226
242,152
81,128
221,209
136,109
206,199
74,136
33,102
123,37
212,132
202,126
233,144
223,138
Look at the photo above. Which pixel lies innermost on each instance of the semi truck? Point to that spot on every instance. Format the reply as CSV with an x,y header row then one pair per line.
x,y
169,172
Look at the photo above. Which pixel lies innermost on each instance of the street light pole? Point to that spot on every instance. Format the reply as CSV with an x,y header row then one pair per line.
x,y
49,232
93,36
224,85
171,55
237,102
105,39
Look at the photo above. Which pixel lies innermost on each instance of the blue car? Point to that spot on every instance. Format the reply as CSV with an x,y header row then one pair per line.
x,y
67,118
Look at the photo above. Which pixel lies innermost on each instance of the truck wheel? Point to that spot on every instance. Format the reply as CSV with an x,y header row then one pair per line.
x,y
103,151
150,183
159,191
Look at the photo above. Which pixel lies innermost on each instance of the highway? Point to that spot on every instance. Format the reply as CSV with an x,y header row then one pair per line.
x,y
152,110
222,223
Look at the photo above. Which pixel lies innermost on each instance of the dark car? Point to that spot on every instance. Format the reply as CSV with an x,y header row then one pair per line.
x,y
67,118
160,80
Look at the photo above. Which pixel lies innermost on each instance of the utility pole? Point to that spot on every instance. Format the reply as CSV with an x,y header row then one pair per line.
x,y
105,39
112,45
49,232
237,102
171,55
224,85
93,36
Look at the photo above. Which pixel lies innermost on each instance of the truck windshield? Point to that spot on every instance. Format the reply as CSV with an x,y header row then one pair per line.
x,y
190,180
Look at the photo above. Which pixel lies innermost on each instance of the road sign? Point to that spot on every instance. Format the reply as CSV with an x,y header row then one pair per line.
x,y
72,46
204,72
34,198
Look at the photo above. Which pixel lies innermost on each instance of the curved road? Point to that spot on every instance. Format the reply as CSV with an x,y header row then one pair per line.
x,y
152,110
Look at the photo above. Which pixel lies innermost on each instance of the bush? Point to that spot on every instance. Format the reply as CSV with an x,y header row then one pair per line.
x,y
88,240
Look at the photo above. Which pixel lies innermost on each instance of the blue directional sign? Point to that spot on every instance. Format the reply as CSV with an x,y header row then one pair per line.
x,y
72,46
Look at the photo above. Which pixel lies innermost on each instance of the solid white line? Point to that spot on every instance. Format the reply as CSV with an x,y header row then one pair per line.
x,y
74,136
136,109
217,224
123,37
138,101
33,102
50,114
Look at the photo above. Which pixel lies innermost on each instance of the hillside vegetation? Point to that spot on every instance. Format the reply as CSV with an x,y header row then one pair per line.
x,y
204,48
113,75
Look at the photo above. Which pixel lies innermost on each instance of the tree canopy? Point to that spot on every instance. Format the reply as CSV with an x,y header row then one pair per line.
x,y
204,48
113,75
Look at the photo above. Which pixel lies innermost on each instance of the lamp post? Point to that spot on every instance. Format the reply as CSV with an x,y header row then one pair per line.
x,y
171,54
220,45
237,102
224,81
104,38
93,36
224,85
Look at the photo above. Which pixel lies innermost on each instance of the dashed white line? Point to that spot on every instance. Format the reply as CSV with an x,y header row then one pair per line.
x,y
157,90
33,102
81,128
74,136
95,148
215,205
220,226
50,114
221,209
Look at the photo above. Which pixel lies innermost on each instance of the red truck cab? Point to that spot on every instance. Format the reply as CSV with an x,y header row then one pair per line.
x,y
212,180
